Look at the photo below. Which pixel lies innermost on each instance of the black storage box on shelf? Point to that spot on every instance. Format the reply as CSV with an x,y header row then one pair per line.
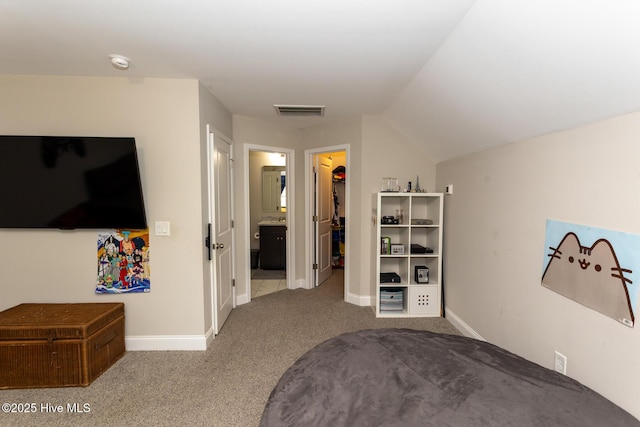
x,y
389,278
419,249
390,220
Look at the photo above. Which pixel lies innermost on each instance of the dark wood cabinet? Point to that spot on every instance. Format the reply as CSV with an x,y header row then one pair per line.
x,y
273,247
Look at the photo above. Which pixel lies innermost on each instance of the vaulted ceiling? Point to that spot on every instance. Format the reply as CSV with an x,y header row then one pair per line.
x,y
455,76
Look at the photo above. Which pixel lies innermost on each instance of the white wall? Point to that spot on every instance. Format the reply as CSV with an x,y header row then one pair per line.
x,y
163,116
494,247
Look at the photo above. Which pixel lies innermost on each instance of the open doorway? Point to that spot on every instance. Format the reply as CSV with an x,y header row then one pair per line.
x,y
327,202
269,207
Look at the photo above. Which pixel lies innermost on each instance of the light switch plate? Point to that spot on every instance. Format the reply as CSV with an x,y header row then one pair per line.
x,y
163,228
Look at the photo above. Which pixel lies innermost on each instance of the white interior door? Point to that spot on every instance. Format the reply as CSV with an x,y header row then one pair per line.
x,y
324,205
222,233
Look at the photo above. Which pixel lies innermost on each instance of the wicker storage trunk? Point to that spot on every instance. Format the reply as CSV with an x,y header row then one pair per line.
x,y
59,345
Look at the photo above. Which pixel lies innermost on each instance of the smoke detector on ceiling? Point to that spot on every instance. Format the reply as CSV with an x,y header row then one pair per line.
x,y
299,110
120,62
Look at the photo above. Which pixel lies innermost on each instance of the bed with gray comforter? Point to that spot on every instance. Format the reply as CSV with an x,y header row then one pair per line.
x,y
403,377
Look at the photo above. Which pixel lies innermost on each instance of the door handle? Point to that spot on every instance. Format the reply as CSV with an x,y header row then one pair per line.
x,y
218,246
207,241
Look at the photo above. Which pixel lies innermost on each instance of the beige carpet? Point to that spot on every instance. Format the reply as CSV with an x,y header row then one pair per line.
x,y
228,384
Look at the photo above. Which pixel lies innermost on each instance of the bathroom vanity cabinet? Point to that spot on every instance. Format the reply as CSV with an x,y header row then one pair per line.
x,y
273,247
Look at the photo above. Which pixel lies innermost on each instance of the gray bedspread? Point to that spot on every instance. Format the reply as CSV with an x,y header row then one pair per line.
x,y
403,377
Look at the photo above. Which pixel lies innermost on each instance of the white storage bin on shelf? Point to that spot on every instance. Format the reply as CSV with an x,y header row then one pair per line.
x,y
423,300
408,236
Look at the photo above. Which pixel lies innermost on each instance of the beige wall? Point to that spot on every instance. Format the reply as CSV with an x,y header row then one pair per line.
x,y
344,133
494,247
385,153
376,150
163,116
214,114
494,221
247,132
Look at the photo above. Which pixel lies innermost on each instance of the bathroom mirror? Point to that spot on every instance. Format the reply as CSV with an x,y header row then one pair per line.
x,y
274,189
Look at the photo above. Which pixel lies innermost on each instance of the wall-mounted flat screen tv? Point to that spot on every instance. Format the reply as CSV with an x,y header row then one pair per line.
x,y
70,182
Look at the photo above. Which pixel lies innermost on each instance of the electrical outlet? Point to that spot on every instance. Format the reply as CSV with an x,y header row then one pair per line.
x,y
561,363
448,189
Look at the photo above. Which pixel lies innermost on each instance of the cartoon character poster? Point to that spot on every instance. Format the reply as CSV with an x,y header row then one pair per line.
x,y
594,267
123,262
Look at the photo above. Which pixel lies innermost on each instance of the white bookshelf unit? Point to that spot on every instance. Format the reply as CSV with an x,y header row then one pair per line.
x,y
401,220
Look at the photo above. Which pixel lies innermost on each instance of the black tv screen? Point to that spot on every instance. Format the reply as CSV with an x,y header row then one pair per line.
x,y
70,182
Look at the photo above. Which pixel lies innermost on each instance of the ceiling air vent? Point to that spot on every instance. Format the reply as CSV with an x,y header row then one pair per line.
x,y
299,110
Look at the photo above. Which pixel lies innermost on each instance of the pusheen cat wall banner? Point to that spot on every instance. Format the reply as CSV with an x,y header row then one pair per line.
x,y
123,262
594,267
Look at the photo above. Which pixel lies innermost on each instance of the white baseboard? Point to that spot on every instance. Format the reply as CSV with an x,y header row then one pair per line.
x,y
360,300
208,338
242,299
461,325
168,342
301,284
